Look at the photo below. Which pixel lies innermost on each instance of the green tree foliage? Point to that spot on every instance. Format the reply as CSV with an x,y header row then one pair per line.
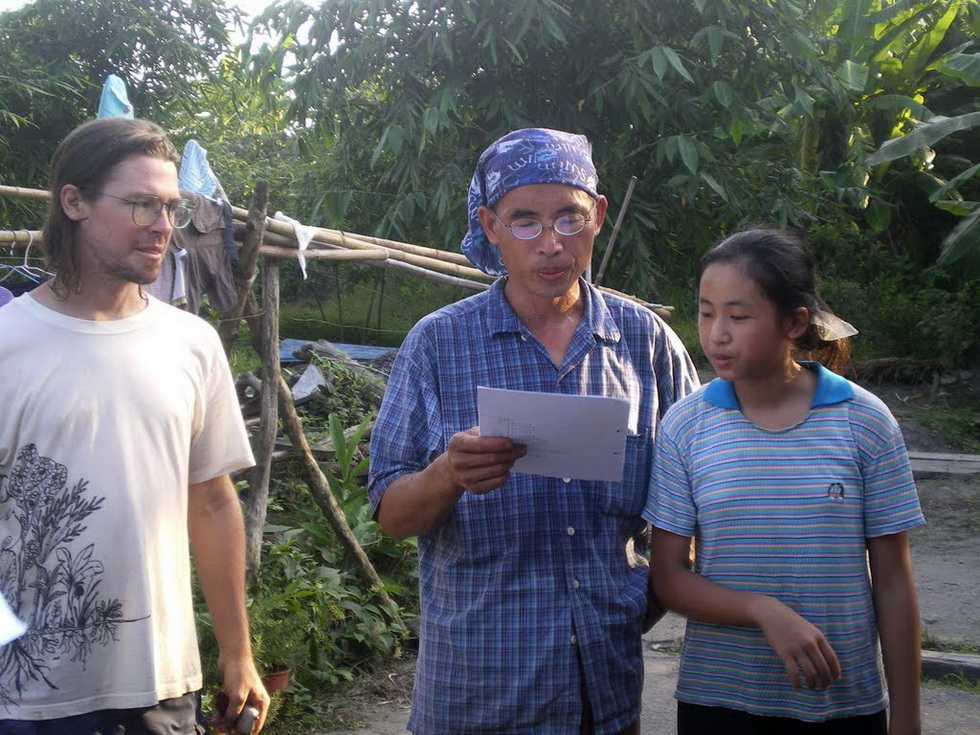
x,y
671,91
905,75
727,112
56,54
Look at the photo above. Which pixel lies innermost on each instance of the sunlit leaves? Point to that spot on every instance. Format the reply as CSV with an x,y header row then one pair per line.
x,y
853,77
965,67
923,136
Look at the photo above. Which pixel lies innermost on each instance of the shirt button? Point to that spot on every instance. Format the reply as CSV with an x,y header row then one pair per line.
x,y
574,639
566,480
523,338
570,531
575,584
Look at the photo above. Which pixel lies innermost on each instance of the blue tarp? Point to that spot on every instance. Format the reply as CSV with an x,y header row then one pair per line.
x,y
356,352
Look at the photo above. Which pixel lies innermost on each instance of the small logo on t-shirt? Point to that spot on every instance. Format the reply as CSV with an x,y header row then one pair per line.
x,y
835,491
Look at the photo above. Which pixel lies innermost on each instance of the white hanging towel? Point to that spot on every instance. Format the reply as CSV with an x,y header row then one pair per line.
x,y
304,234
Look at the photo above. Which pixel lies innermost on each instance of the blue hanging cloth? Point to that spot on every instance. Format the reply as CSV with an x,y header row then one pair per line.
x,y
195,172
114,101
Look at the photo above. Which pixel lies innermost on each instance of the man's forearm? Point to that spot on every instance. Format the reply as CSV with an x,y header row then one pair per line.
x,y
217,537
415,504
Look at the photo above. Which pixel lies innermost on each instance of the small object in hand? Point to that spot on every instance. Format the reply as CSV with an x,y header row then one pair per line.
x,y
246,719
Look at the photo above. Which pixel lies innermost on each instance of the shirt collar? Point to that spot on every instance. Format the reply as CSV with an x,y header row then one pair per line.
x,y
502,319
831,388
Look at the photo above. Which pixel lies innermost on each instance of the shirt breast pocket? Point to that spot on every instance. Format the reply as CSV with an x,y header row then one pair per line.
x,y
627,498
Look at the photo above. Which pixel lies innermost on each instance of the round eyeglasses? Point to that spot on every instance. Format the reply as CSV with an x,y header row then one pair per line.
x,y
146,209
526,228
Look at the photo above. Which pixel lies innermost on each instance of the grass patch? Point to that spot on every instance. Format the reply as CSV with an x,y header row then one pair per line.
x,y
931,643
243,357
955,418
360,305
953,681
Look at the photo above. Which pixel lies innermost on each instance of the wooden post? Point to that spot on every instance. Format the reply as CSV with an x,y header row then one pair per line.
x,y
266,343
257,501
245,272
612,240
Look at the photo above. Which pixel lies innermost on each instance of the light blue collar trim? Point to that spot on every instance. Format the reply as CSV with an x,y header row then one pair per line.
x,y
831,388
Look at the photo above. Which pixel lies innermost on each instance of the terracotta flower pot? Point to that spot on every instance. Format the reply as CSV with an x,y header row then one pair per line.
x,y
276,681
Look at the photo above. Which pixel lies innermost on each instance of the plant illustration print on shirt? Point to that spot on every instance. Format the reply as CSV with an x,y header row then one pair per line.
x,y
48,576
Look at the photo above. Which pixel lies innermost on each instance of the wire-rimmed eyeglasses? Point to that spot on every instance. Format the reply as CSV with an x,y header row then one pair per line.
x,y
527,228
146,209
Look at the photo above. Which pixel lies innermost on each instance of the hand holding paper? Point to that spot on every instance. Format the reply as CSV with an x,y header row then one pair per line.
x,y
481,463
581,437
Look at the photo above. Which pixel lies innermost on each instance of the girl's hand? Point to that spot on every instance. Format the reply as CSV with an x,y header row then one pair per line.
x,y
798,643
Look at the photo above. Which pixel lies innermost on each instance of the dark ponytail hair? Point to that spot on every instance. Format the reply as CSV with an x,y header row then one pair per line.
x,y
782,267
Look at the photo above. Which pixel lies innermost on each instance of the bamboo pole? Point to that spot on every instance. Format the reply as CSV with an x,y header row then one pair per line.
x,y
289,245
277,251
20,237
615,232
342,239
448,256
41,195
257,498
448,280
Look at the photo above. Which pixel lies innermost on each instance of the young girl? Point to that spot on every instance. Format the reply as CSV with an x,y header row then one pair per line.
x,y
794,482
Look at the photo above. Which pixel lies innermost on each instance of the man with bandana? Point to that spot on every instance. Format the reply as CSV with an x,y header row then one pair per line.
x,y
533,589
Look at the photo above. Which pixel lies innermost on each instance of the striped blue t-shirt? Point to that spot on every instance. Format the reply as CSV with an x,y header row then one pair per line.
x,y
784,513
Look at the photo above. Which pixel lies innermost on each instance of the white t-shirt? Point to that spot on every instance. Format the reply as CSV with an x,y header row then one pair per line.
x,y
103,426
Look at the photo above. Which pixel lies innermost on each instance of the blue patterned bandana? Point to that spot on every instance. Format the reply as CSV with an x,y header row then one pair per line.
x,y
529,156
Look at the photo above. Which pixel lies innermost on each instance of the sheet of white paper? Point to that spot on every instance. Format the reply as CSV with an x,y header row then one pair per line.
x,y
581,437
10,626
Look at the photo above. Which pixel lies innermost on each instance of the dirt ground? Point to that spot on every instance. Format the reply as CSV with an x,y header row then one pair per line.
x,y
946,551
946,564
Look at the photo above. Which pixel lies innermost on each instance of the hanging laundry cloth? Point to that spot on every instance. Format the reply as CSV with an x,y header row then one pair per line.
x,y
114,101
304,234
195,172
208,268
171,285
195,175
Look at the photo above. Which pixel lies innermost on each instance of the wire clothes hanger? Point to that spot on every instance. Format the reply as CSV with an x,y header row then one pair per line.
x,y
25,270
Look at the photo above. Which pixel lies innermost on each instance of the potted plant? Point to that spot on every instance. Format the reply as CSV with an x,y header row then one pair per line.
x,y
278,624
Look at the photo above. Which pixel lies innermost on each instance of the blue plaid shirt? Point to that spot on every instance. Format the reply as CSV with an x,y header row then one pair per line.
x,y
528,588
